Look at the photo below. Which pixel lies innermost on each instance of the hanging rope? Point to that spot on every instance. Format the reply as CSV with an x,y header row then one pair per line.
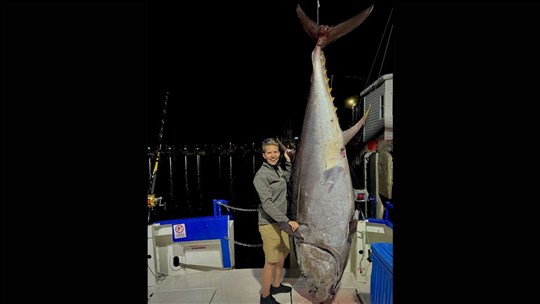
x,y
378,49
318,5
385,50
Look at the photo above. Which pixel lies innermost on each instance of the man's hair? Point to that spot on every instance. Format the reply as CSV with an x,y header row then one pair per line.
x,y
269,141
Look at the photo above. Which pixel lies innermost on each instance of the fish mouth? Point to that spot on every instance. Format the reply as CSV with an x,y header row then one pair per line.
x,y
321,295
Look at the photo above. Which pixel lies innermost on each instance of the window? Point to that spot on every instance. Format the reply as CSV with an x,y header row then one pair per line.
x,y
381,107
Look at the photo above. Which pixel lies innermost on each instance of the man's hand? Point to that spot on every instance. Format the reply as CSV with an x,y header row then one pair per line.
x,y
294,225
287,157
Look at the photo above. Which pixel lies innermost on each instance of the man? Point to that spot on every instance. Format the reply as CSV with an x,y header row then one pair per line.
x,y
270,182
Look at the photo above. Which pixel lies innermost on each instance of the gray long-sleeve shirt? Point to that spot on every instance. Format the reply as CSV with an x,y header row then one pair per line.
x,y
271,185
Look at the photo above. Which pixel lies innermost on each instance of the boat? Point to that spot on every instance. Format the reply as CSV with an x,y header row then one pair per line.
x,y
192,261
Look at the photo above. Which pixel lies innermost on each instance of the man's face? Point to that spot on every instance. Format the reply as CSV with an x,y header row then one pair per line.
x,y
271,154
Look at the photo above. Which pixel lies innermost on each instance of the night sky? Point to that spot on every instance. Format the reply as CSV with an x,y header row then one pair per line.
x,y
74,102
241,73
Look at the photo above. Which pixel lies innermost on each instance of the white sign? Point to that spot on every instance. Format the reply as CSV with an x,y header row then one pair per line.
x,y
179,231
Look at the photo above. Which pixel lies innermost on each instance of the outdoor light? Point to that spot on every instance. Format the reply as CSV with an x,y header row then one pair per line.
x,y
350,103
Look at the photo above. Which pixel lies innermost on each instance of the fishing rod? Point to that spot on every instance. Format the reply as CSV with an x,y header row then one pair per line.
x,y
152,200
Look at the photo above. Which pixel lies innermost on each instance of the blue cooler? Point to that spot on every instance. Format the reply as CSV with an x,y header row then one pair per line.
x,y
381,288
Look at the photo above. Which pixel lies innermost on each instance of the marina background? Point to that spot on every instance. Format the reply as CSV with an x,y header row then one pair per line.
x,y
189,179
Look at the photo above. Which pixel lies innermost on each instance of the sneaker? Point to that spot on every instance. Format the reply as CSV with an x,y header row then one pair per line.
x,y
280,289
268,300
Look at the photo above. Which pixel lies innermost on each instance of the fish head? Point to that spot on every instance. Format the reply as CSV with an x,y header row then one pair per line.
x,y
320,272
321,263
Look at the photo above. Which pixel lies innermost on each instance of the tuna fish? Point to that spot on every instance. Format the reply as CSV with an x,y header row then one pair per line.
x,y
321,190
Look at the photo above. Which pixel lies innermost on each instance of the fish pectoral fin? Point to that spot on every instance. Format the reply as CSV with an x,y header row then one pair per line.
x,y
288,229
351,132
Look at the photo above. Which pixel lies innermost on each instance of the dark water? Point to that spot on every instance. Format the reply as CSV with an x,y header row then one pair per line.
x,y
188,184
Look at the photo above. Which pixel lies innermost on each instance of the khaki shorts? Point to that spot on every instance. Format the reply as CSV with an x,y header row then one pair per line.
x,y
275,241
